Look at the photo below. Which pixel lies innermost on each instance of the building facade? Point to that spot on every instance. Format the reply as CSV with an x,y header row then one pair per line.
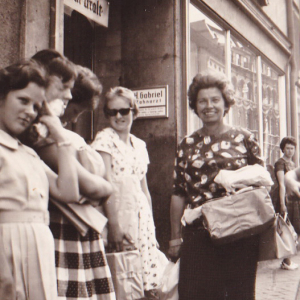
x,y
155,47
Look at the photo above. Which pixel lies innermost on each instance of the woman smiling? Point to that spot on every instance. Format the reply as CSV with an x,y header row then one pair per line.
x,y
208,271
129,210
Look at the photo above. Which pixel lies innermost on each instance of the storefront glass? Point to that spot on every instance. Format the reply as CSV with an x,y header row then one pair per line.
x,y
270,111
245,112
255,82
207,50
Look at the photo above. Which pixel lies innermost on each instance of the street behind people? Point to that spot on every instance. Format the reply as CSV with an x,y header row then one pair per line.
x,y
27,243
208,271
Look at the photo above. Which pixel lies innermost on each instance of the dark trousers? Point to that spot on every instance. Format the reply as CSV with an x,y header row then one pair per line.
x,y
209,272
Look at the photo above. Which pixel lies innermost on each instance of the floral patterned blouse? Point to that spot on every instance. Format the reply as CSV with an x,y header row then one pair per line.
x,y
199,159
126,160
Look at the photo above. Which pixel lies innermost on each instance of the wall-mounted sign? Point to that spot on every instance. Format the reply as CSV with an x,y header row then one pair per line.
x,y
152,102
95,10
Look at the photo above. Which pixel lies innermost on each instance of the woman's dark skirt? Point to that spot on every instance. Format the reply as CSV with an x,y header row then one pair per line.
x,y
209,272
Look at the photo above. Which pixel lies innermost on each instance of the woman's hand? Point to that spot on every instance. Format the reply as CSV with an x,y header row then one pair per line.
x,y
174,252
283,209
53,124
116,236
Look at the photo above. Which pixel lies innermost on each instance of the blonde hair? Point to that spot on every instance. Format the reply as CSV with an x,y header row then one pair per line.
x,y
120,91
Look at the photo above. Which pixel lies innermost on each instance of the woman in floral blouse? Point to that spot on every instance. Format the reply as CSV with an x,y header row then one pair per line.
x,y
208,271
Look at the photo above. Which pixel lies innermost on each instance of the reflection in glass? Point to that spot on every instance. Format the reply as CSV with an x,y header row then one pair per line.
x,y
206,45
244,80
270,110
207,49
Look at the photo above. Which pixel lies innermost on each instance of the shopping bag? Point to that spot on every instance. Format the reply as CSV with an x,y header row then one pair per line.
x,y
279,241
239,215
169,286
126,272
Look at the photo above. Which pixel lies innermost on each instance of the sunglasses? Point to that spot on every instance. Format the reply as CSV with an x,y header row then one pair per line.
x,y
114,112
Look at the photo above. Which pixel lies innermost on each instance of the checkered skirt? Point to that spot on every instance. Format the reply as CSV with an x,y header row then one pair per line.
x,y
81,266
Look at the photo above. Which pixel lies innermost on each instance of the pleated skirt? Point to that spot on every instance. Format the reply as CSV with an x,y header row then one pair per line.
x,y
29,253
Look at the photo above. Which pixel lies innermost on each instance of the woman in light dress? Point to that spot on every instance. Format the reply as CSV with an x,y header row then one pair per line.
x,y
129,209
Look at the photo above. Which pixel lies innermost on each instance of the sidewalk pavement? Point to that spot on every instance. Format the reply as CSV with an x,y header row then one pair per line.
x,y
274,283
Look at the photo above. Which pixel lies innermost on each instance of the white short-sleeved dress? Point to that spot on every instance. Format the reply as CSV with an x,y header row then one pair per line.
x,y
28,245
129,166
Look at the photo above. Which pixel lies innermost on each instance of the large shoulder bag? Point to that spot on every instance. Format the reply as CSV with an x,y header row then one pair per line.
x,y
239,215
278,241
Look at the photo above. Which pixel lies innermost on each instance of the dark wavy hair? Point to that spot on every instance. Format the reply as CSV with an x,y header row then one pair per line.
x,y
120,91
56,64
87,89
287,140
210,79
19,75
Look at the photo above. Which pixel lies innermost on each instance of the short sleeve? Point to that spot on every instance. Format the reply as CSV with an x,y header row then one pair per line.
x,y
253,149
103,142
141,147
179,170
146,156
279,166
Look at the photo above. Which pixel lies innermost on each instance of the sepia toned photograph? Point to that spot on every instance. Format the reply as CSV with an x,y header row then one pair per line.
x,y
149,150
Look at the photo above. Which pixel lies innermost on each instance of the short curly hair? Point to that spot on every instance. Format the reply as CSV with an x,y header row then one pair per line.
x,y
287,140
87,88
210,79
127,94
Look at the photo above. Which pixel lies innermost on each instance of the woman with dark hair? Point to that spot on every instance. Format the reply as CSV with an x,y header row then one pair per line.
x,y
61,74
81,266
26,181
208,271
282,166
129,210
85,95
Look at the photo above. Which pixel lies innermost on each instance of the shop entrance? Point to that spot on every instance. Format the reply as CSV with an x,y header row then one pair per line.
x,y
79,48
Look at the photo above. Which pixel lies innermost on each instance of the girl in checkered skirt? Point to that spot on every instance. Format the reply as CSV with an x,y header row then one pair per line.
x,y
81,266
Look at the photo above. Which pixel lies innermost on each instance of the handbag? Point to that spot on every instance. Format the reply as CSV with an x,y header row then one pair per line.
x,y
126,272
246,213
82,216
279,241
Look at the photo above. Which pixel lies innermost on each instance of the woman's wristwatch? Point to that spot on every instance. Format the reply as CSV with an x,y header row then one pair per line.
x,y
175,242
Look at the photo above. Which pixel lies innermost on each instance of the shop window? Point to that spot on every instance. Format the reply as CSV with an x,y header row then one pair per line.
x,y
255,81
270,111
207,50
245,110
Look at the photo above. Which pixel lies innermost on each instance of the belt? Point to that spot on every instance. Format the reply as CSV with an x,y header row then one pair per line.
x,y
24,217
